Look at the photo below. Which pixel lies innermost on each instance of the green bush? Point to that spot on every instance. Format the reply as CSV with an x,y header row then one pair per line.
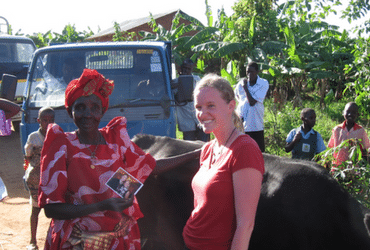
x,y
353,174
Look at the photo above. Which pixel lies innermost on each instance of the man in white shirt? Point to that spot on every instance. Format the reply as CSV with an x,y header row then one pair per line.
x,y
250,93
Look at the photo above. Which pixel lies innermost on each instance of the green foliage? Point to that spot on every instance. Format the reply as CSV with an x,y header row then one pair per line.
x,y
230,73
122,35
354,173
359,70
176,34
278,124
42,40
69,35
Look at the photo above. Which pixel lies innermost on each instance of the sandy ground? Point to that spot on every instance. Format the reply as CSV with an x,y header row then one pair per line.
x,y
15,210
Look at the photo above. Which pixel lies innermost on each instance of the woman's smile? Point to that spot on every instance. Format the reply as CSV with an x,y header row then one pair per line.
x,y
212,110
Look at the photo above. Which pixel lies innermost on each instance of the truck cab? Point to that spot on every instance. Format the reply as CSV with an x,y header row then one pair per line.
x,y
15,57
142,76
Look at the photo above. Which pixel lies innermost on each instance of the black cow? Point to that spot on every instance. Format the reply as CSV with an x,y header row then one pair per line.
x,y
301,206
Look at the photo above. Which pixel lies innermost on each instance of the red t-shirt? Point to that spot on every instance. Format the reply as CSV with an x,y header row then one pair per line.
x,y
213,221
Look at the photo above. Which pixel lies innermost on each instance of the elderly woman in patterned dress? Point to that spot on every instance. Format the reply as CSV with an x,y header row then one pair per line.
x,y
85,212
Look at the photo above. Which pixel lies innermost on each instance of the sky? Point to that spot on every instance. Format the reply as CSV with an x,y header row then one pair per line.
x,y
33,16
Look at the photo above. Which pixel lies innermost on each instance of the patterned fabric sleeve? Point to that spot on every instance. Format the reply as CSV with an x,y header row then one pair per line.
x,y
53,180
138,163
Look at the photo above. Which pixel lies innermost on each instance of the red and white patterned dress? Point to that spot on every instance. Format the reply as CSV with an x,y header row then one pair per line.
x,y
69,175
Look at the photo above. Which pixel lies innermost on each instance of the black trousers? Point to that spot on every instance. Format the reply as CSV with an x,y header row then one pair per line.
x,y
259,137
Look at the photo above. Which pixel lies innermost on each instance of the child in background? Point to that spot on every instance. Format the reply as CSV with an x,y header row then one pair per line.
x,y
349,129
304,142
33,149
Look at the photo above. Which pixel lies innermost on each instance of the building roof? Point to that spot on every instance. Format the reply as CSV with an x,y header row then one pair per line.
x,y
130,24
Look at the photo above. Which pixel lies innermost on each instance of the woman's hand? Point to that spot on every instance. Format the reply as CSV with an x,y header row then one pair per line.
x,y
117,204
64,211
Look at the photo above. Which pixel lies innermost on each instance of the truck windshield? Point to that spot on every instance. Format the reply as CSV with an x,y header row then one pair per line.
x,y
137,75
16,52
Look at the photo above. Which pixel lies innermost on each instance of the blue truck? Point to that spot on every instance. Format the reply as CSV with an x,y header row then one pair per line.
x,y
142,73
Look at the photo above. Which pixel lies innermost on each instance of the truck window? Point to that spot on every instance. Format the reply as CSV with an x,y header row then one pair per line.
x,y
16,52
24,52
137,73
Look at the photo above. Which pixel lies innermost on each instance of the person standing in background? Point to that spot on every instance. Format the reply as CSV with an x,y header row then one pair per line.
x,y
186,119
250,93
304,142
349,129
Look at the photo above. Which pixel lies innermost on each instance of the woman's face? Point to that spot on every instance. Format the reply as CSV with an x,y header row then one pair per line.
x,y
212,111
87,112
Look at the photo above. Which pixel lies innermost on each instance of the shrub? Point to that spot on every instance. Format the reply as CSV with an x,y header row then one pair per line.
x,y
354,173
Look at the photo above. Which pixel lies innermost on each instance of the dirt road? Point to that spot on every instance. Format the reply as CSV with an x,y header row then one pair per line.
x,y
15,210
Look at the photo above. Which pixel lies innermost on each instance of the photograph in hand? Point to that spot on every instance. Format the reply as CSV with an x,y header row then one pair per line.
x,y
124,184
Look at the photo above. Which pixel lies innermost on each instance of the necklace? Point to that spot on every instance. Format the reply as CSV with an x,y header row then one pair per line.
x,y
92,153
92,156
216,156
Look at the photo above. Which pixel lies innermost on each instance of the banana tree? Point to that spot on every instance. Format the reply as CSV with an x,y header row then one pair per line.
x,y
176,34
333,52
216,40
359,69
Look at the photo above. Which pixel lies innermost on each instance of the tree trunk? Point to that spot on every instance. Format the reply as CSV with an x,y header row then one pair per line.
x,y
297,100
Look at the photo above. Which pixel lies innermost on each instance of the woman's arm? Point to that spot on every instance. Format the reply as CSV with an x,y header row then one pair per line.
x,y
247,188
169,163
65,211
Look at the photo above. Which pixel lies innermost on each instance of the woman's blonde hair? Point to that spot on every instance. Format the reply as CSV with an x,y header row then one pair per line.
x,y
226,91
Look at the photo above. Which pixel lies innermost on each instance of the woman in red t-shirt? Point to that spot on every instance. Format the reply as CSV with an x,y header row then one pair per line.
x,y
227,186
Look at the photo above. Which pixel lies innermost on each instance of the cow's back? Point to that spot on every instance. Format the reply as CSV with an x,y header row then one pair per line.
x,y
302,207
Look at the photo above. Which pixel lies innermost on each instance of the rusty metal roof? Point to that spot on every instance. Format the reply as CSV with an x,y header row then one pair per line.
x,y
130,24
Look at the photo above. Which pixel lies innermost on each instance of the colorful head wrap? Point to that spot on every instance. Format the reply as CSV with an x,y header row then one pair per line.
x,y
90,82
